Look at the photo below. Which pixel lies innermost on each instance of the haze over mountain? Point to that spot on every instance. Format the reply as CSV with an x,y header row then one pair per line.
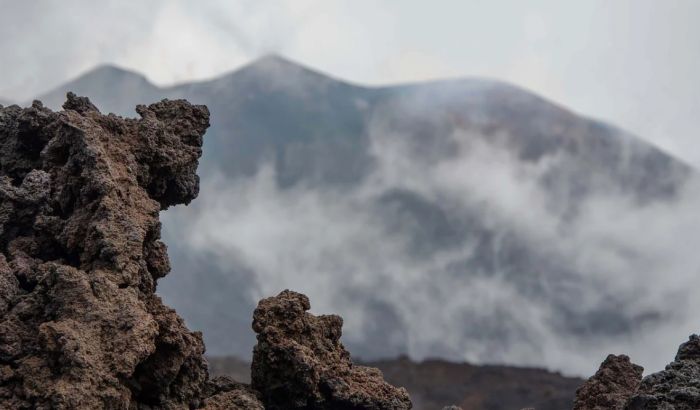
x,y
471,219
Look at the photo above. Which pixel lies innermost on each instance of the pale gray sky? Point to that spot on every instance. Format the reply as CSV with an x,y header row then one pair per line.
x,y
631,62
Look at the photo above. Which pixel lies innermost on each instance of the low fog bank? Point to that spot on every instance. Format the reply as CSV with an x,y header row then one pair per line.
x,y
463,248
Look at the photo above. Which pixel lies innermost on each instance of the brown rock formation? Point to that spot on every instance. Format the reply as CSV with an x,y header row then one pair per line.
x,y
80,194
299,362
611,386
226,394
80,255
617,384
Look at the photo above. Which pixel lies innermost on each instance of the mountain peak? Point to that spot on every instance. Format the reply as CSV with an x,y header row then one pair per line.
x,y
277,60
276,72
275,65
107,85
112,72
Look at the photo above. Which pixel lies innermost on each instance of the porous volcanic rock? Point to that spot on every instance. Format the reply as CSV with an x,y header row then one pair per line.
x,y
612,385
226,394
80,194
676,387
616,385
299,362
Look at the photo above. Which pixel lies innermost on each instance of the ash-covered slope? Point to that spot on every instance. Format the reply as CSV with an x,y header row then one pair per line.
x,y
513,212
433,383
80,257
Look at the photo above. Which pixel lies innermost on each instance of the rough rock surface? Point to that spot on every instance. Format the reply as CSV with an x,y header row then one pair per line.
x,y
299,362
609,389
226,394
80,256
676,387
80,194
616,385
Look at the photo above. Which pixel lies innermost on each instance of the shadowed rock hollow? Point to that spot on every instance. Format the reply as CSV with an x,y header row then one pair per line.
x,y
80,256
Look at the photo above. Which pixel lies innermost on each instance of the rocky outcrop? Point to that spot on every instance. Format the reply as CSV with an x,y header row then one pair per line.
x,y
676,387
80,257
617,384
299,362
80,193
612,385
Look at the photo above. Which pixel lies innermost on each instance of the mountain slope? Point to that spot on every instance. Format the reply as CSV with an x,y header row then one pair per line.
x,y
432,384
275,108
472,219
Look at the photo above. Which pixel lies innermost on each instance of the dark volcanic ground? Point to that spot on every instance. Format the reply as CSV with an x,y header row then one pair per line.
x,y
434,384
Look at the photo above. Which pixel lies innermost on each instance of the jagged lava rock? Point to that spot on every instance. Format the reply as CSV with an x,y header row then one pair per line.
x,y
80,194
299,362
617,385
609,389
676,387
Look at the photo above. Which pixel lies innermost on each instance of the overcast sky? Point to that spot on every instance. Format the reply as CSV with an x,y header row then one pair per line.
x,y
631,62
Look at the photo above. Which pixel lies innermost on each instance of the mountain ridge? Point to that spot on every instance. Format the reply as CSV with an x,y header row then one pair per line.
x,y
55,95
